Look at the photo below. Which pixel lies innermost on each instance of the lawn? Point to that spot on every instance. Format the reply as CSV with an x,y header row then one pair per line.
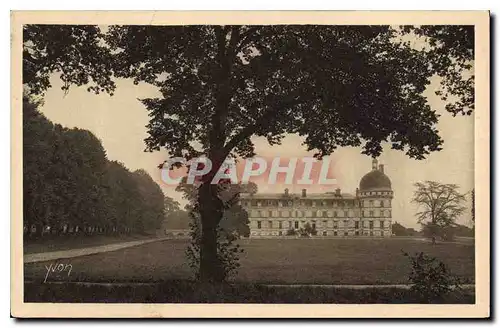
x,y
278,261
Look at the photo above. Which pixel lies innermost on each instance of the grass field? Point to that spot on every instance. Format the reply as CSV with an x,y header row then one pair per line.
x,y
283,261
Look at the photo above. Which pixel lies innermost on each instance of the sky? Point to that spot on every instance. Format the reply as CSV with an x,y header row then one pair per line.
x,y
119,122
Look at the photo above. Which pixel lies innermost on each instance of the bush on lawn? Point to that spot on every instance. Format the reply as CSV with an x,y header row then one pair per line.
x,y
431,279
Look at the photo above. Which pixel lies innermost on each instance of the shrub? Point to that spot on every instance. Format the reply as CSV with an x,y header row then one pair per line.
x,y
431,279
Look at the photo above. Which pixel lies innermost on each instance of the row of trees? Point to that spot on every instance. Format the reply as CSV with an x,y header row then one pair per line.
x,y
71,187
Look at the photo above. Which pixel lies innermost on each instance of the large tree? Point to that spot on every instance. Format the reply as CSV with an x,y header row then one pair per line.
x,y
221,85
439,206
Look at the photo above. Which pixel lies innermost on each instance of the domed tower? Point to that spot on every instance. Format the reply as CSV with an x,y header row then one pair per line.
x,y
375,194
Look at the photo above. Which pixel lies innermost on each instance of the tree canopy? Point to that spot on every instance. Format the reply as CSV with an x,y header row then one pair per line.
x,y
440,205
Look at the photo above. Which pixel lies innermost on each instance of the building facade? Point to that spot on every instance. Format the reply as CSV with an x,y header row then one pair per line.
x,y
367,213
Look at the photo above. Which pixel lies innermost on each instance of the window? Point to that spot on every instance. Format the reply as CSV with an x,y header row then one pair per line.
x,y
382,233
371,203
270,223
371,214
356,224
296,224
357,233
335,233
371,224
290,224
324,214
259,225
324,233
346,233
313,225
280,224
335,225
371,233
334,214
325,223
382,224
280,233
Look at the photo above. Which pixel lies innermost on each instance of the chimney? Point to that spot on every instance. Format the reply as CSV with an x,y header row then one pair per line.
x,y
304,192
374,164
337,192
381,168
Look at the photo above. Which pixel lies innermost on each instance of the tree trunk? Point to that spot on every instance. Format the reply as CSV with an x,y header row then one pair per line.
x,y
211,212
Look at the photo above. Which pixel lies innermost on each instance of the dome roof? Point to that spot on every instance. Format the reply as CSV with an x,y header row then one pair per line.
x,y
375,179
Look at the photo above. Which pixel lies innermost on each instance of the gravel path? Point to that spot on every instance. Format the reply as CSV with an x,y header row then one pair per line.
x,y
48,256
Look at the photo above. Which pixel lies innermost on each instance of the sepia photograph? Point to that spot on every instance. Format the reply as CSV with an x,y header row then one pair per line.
x,y
204,163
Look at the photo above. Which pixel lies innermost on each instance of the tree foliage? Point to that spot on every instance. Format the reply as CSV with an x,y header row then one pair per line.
x,y
440,205
75,52
328,83
451,54
399,230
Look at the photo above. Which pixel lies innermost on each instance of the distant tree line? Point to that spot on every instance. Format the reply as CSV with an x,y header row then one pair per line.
x,y
399,230
446,233
70,187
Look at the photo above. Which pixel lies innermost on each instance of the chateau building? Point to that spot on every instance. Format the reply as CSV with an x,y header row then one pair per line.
x,y
366,213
